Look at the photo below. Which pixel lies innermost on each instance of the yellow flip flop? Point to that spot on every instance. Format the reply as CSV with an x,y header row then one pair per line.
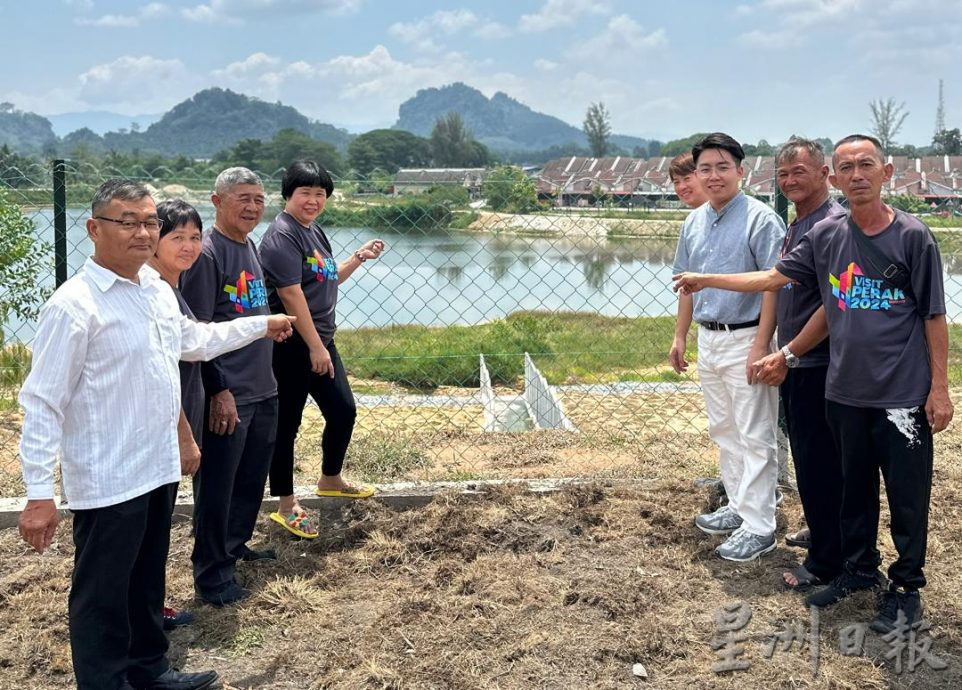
x,y
294,524
362,491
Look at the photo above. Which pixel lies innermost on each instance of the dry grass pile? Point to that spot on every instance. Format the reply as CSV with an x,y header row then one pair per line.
x,y
508,590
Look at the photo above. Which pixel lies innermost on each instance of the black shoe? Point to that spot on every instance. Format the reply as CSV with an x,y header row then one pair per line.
x,y
253,555
841,587
890,602
231,593
175,680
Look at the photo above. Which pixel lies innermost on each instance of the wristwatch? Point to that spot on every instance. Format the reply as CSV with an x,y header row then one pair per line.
x,y
790,359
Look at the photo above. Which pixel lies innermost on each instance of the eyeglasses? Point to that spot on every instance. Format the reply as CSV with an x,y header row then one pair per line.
x,y
720,168
130,225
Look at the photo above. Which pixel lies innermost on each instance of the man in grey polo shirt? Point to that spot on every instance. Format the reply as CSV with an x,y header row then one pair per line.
x,y
733,233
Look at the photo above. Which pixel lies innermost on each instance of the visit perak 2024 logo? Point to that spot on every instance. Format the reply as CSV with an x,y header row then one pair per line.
x,y
855,290
248,293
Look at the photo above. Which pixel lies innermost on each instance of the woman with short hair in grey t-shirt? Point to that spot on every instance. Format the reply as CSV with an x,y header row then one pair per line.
x,y
303,280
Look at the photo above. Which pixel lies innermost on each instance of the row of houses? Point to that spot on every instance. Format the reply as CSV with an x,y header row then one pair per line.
x,y
578,180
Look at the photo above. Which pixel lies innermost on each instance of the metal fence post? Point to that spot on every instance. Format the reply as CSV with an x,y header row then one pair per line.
x,y
781,204
60,220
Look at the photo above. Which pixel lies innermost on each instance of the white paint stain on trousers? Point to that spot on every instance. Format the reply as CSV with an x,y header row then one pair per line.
x,y
902,418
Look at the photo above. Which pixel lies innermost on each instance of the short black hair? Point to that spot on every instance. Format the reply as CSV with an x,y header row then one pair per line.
x,y
855,138
176,212
719,140
125,190
305,174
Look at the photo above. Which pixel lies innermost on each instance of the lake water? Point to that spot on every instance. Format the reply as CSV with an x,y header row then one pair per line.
x,y
449,277
452,277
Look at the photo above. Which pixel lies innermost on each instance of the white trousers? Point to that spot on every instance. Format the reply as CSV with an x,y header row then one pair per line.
x,y
741,420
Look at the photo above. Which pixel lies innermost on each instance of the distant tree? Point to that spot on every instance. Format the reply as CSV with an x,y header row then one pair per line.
x,y
827,144
6,107
389,149
453,146
654,148
908,203
134,127
597,127
948,142
507,188
887,119
676,146
290,145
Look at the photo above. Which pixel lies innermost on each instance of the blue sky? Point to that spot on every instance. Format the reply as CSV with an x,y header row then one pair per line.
x,y
665,69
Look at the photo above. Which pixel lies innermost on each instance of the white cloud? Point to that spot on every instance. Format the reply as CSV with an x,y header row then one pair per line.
x,y
238,11
492,31
545,65
757,38
557,13
623,37
136,83
149,11
802,13
422,34
363,90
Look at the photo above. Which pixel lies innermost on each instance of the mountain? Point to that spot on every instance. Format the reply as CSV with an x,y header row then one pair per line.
x,y
98,121
210,121
26,133
216,119
501,123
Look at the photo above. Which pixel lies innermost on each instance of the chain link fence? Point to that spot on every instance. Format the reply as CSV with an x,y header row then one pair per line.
x,y
583,290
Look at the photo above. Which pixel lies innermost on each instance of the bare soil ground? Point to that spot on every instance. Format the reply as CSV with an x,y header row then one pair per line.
x,y
510,590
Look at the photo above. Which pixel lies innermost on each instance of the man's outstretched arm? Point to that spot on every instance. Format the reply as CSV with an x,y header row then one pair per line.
x,y
756,281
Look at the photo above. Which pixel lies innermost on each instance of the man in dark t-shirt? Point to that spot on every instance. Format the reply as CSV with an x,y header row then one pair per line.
x,y
879,274
226,283
802,175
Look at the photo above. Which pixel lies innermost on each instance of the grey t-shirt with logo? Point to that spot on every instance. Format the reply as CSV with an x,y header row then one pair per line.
x,y
879,355
226,283
797,302
296,255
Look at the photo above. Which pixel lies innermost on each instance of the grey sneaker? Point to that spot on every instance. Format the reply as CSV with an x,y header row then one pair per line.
x,y
713,483
743,546
722,521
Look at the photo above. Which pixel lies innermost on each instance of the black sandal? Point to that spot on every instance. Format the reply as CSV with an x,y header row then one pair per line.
x,y
805,578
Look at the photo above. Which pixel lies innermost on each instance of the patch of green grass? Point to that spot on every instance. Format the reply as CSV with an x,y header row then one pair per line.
x,y
14,365
463,220
462,476
245,639
568,348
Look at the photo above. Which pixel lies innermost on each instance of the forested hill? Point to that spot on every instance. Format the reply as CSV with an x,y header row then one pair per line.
x,y
216,119
500,123
211,121
26,133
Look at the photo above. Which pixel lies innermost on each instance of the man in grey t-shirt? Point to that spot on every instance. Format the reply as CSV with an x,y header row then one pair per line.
x,y
225,283
879,274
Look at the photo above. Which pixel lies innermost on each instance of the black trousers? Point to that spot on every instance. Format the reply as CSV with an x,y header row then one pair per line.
x,y
117,593
229,489
818,468
295,381
899,443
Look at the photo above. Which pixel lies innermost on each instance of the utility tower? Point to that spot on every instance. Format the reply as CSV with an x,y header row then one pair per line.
x,y
940,112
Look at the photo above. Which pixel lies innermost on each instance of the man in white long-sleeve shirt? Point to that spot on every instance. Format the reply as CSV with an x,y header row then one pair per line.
x,y
104,396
